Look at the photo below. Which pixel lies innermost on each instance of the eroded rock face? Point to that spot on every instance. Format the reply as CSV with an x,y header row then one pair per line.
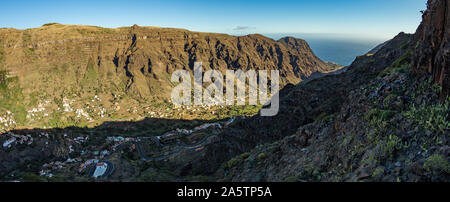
x,y
301,105
432,49
141,59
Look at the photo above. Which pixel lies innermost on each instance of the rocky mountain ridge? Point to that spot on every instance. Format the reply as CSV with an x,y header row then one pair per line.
x,y
61,67
432,48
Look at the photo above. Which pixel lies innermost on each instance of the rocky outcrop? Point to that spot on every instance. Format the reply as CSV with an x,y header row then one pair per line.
x,y
432,48
386,121
376,136
382,125
301,105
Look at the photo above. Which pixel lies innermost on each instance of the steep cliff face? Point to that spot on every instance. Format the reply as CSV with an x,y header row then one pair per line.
x,y
69,74
301,105
388,125
141,59
383,125
432,50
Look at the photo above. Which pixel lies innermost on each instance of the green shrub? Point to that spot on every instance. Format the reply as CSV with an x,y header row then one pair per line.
x,y
20,113
401,65
377,116
245,155
11,97
290,179
434,118
261,156
437,164
403,60
91,76
324,117
391,144
427,86
31,177
235,161
389,99
378,172
58,178
4,81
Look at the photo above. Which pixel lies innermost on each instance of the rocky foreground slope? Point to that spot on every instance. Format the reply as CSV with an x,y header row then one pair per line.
x,y
391,123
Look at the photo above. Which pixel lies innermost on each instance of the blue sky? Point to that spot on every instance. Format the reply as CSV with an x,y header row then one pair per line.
x,y
363,18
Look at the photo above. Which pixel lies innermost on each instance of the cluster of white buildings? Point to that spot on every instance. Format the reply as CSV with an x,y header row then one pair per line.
x,y
49,167
206,126
56,165
7,121
100,169
66,105
157,114
40,109
67,108
174,133
102,112
81,139
87,163
17,139
96,98
43,134
198,108
81,113
118,141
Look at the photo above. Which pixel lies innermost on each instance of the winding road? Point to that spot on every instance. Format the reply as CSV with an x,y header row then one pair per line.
x,y
175,151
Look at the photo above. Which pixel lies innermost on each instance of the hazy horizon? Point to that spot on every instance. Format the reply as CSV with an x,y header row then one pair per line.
x,y
330,47
381,19
337,31
337,48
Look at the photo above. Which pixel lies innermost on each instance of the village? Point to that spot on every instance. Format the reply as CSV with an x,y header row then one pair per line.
x,y
94,161
7,121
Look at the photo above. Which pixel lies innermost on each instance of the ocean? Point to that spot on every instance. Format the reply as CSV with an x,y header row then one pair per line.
x,y
339,49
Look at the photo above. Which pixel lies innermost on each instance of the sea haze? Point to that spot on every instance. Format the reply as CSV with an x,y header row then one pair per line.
x,y
340,49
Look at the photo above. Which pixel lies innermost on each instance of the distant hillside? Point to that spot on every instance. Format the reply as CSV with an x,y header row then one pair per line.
x,y
66,66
